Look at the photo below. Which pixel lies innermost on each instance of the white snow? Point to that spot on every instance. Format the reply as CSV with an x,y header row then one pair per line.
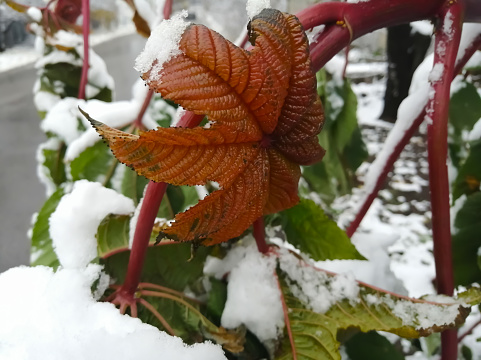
x,y
422,315
254,7
436,73
470,32
253,295
34,13
62,119
74,223
44,100
475,133
314,287
53,315
424,27
448,25
162,45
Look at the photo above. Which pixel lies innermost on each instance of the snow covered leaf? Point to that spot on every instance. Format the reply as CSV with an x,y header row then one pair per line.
x,y
311,231
266,115
320,304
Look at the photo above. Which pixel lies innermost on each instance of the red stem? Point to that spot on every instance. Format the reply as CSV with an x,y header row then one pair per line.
x,y
376,14
260,235
167,9
138,122
85,32
148,212
446,48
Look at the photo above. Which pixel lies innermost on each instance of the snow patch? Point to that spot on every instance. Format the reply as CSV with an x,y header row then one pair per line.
x,y
53,315
34,13
314,287
475,133
74,223
253,296
62,120
254,7
162,45
436,73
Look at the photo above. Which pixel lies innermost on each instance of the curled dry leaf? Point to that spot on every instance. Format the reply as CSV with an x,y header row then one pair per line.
x,y
265,115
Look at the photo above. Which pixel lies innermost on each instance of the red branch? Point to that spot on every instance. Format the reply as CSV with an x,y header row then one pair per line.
x,y
138,121
348,21
148,213
437,110
468,53
285,310
85,32
167,9
260,235
446,46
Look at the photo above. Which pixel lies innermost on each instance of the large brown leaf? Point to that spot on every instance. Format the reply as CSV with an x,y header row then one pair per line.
x,y
265,116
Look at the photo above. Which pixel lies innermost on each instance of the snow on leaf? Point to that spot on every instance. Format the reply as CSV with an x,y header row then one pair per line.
x,y
266,115
319,304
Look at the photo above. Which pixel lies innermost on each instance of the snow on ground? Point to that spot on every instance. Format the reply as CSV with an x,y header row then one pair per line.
x,y
396,227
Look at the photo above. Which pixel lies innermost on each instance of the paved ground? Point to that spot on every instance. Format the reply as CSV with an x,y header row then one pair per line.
x,y
20,192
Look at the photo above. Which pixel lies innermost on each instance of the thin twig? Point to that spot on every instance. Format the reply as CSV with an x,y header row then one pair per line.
x,y
85,32
159,317
287,321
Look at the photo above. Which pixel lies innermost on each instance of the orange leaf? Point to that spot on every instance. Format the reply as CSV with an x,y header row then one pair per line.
x,y
265,115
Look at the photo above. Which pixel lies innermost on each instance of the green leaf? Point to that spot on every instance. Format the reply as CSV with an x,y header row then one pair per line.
x,y
96,163
133,185
42,248
53,154
469,175
309,229
168,265
217,298
465,107
467,241
176,200
113,234
371,346
341,137
315,334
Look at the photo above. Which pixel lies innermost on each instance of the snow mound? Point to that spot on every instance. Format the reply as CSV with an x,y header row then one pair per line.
x,y
253,296
53,315
74,223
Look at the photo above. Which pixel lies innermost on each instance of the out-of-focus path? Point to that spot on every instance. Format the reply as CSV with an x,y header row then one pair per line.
x,y
21,194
